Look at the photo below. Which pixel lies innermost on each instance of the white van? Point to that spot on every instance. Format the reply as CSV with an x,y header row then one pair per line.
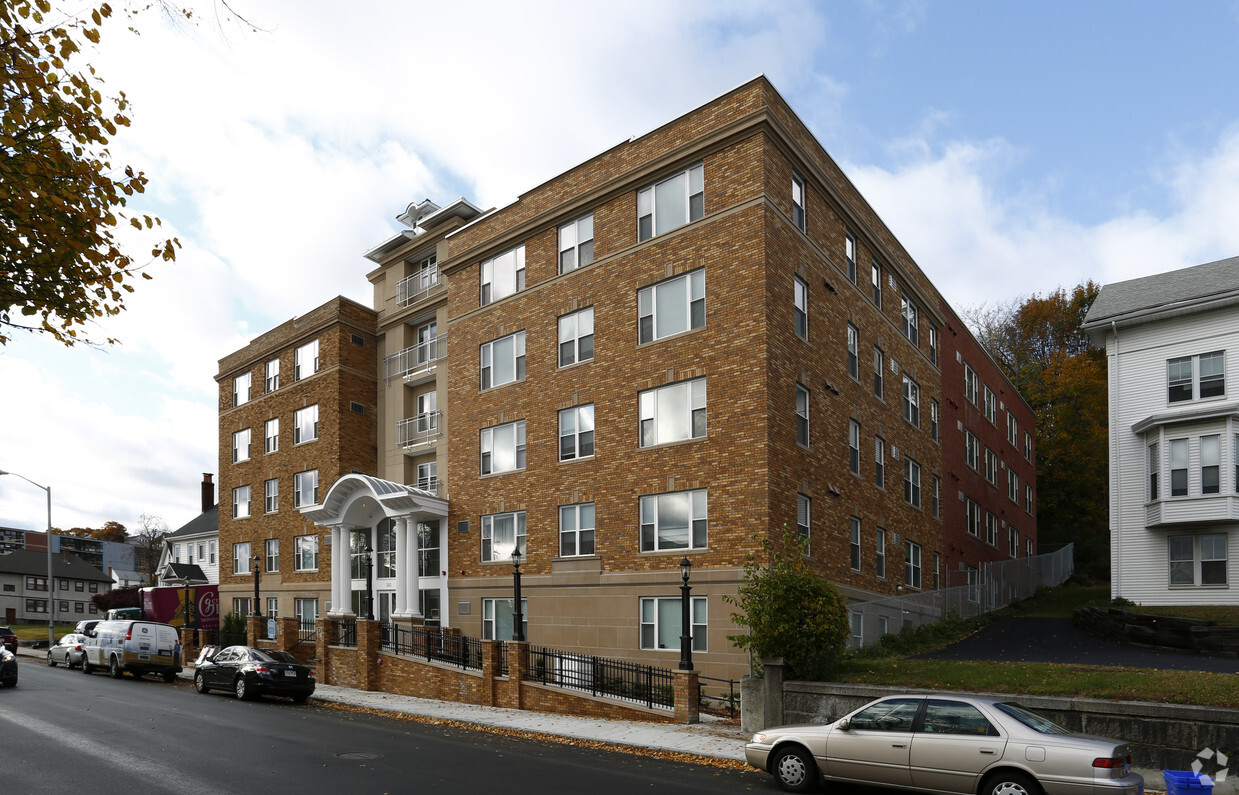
x,y
139,647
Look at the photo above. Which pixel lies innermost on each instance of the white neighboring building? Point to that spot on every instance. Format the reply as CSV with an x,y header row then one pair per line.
x,y
192,552
1172,341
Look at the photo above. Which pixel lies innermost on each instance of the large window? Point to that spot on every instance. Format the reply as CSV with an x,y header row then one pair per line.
x,y
673,413
241,558
911,401
972,451
671,203
933,343
503,447
576,337
1198,560
241,446
854,447
503,360
1154,469
853,351
241,389
662,622
502,533
800,301
305,424
802,415
798,201
1210,464
576,243
911,481
576,529
305,488
273,375
576,432
306,611
305,361
911,564
671,307
991,466
991,529
675,520
503,274
1013,486
1196,377
305,553
972,517
990,405
854,542
970,385
911,319
849,254
498,617
240,502
272,428
271,495
1178,467
1013,431
875,279
428,549
273,554
879,378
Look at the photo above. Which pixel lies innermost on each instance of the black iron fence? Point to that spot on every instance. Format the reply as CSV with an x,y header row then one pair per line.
x,y
719,696
215,637
346,631
432,643
599,676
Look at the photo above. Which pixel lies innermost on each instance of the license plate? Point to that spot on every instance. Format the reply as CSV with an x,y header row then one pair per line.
x,y
290,673
144,656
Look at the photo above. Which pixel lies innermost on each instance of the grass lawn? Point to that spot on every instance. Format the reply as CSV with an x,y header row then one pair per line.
x,y
889,663
38,631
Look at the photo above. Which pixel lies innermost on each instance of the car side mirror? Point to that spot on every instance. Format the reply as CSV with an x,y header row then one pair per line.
x,y
843,724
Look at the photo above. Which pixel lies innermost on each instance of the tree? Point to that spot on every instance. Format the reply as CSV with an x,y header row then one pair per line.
x,y
149,540
790,611
111,531
61,199
128,596
1039,344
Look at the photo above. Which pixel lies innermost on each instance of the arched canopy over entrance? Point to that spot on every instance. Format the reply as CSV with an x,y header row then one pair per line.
x,y
362,502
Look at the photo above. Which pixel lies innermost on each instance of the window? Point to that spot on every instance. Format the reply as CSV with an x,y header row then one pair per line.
x,y
428,550
503,360
1028,446
271,495
576,432
273,434
305,424
241,606
576,337
972,518
991,529
933,343
78,585
800,300
892,716
911,320
240,502
972,451
305,553
853,351
1028,498
856,621
675,520
662,620
273,604
502,533
305,488
911,564
241,558
673,413
911,401
1198,560
879,565
1210,464
94,588
576,243
970,384
878,360
854,529
798,199
954,717
503,447
305,361
875,276
803,528
879,462
849,254
36,583
273,554
273,375
241,446
1235,447
911,482
671,203
933,419
1013,432
241,389
1183,384
428,476
385,552
854,447
1013,486
1154,465
936,498
1013,542
1178,468
989,405
498,619
802,415
991,466
671,307
576,529
503,274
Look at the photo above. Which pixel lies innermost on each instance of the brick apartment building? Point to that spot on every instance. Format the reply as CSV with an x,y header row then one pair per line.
x,y
685,344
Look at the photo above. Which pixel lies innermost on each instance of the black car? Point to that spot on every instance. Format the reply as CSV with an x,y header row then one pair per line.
x,y
9,637
8,668
249,672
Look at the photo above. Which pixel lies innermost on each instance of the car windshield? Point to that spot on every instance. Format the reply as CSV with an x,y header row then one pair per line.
x,y
1031,719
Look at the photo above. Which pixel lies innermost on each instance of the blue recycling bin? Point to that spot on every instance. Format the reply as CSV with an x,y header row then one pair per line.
x,y
1185,782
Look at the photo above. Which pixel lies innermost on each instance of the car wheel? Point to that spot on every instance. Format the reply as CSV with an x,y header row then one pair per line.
x,y
114,668
242,688
87,668
795,769
300,699
1010,783
169,676
50,661
200,683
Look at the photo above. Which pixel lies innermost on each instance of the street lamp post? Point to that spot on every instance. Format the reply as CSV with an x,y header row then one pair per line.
x,y
51,602
368,557
518,618
686,638
257,580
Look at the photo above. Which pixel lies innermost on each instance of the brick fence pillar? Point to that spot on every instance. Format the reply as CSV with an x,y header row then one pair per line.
x,y
369,639
325,636
518,669
254,629
686,687
189,646
287,632
492,663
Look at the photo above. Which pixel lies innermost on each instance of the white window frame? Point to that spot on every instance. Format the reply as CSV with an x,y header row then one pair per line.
x,y
428,476
1196,381
503,274
576,243
305,553
972,517
800,307
658,409
490,617
798,201
933,343
875,278
802,415
651,297
991,403
911,319
911,401
972,451
1202,545
936,497
1180,454
576,530
512,348
576,431
854,543
271,495
305,424
576,337
1028,498
271,551
241,392
1013,430
241,446
991,529
854,447
305,361
657,537
853,351
654,610
272,380
912,564
241,502
971,385
991,466
491,551
271,433
804,519
879,552
934,411
879,373
1153,469
507,440
1013,486
241,558
305,488
1013,542
849,254
879,462
693,197
1211,464
912,481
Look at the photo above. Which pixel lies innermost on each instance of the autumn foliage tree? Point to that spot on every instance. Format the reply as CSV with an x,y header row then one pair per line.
x,y
62,201
1040,346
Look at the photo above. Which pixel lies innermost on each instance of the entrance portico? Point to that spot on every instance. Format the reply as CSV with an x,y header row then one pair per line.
x,y
402,526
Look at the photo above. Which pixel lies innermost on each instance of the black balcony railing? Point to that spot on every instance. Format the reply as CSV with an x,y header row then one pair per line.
x,y
599,676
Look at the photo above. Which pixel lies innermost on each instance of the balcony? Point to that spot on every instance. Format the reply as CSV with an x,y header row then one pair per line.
x,y
416,363
418,431
430,484
412,289
1179,511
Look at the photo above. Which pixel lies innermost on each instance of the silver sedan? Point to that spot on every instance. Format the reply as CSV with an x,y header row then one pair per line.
x,y
68,650
947,743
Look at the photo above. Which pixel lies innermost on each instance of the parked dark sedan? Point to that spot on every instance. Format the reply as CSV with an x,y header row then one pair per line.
x,y
68,650
8,668
9,638
249,672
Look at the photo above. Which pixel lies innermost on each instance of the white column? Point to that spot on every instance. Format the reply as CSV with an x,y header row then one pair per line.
x,y
414,581
335,571
341,564
444,567
402,533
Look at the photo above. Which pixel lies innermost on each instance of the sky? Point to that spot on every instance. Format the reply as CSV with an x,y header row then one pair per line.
x,y
1013,148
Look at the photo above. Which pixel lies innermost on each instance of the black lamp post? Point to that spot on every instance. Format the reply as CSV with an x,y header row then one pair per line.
x,y
257,579
368,558
518,618
686,638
